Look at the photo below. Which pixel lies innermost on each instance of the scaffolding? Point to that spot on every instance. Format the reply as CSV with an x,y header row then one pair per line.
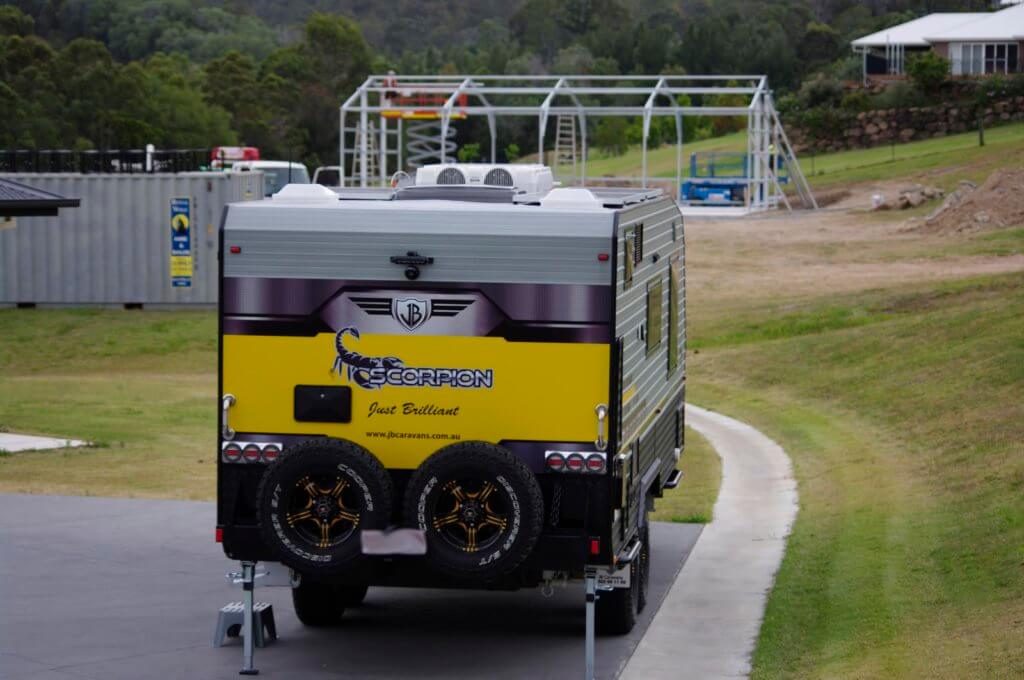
x,y
581,97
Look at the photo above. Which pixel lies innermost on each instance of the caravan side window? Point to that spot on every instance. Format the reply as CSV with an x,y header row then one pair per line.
x,y
628,257
654,316
675,278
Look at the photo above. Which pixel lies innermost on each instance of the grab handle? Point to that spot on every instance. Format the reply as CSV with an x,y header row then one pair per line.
x,y
602,415
226,402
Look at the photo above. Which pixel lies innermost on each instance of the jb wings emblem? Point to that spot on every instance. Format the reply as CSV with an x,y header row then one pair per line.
x,y
411,313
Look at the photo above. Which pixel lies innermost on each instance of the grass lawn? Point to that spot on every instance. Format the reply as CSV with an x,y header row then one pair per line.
x,y
906,431
893,375
140,385
692,501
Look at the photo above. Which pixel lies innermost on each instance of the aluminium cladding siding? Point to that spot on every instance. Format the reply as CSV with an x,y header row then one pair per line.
x,y
115,248
646,374
476,243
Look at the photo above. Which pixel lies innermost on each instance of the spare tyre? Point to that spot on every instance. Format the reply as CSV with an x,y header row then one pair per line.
x,y
481,508
314,501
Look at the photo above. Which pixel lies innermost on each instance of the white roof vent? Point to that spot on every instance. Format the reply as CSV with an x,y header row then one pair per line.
x,y
571,198
304,193
524,178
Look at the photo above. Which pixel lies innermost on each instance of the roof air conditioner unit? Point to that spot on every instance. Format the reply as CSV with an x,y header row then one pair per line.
x,y
524,178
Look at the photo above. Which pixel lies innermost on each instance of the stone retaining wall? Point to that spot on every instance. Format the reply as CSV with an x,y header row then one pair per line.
x,y
887,126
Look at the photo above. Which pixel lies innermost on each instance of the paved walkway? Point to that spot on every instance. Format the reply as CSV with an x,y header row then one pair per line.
x,y
708,624
25,442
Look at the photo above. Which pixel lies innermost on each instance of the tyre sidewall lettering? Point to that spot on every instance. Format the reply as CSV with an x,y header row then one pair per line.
x,y
514,483
361,483
421,504
368,479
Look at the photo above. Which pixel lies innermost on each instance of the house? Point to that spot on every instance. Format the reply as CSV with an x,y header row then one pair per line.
x,y
975,43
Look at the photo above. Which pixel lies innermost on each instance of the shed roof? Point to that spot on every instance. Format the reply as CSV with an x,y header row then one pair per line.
x,y
17,200
1004,25
915,33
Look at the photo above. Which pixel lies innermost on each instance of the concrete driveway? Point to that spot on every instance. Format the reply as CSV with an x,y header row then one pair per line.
x,y
127,589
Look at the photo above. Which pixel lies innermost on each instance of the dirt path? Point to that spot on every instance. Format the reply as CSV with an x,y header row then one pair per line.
x,y
843,249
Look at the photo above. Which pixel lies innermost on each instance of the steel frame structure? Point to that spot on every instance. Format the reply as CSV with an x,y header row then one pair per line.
x,y
583,96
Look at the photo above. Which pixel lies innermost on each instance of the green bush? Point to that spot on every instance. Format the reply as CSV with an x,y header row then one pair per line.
x,y
928,71
855,101
820,91
469,153
824,122
1015,85
899,95
610,136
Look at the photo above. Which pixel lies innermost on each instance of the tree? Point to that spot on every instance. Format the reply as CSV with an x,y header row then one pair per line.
x,y
928,71
15,22
610,135
821,45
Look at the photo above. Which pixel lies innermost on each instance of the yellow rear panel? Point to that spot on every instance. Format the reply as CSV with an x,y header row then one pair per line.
x,y
538,391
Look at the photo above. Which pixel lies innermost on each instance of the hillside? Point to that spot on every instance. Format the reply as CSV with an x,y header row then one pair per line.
x,y
827,171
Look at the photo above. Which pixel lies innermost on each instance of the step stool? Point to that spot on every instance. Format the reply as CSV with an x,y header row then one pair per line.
x,y
233,614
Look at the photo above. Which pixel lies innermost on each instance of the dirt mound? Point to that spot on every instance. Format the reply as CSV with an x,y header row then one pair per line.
x,y
998,202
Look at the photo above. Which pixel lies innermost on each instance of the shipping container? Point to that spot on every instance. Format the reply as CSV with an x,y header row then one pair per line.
x,y
135,239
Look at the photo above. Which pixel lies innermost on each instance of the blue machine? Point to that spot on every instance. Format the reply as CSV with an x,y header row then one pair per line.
x,y
721,178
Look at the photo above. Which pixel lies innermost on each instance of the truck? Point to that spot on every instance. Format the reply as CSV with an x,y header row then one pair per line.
x,y
482,364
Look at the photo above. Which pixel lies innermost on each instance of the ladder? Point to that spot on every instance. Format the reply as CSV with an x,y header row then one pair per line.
x,y
372,167
565,142
785,152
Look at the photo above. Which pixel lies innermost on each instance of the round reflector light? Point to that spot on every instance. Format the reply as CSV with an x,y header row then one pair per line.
x,y
270,453
251,453
595,463
574,462
556,462
232,453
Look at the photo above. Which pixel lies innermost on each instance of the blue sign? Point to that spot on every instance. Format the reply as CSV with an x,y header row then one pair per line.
x,y
181,242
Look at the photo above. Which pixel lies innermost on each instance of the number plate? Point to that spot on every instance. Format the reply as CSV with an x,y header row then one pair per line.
x,y
608,579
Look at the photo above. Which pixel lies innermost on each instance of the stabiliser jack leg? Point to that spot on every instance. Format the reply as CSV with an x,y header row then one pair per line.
x,y
248,633
591,591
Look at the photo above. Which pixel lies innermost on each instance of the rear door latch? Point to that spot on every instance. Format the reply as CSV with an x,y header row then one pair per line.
x,y
413,262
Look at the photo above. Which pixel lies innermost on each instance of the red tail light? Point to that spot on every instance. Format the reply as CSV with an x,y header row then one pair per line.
x,y
587,462
270,453
251,453
556,462
574,462
219,535
232,453
595,546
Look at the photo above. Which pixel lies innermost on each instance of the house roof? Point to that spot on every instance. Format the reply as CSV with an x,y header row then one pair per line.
x,y
1004,25
914,33
17,199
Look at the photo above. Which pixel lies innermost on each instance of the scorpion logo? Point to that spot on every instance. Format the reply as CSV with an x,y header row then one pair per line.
x,y
359,366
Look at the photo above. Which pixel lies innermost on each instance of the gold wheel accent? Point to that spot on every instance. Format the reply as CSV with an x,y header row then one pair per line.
x,y
471,524
485,491
470,538
294,517
450,518
322,509
455,489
